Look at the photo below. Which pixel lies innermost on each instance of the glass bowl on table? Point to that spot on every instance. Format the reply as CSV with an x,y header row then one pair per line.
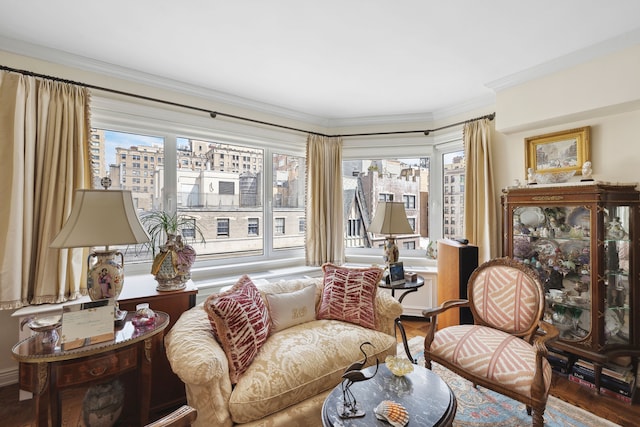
x,y
399,366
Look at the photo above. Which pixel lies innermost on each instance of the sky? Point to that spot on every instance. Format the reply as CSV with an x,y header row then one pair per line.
x,y
120,139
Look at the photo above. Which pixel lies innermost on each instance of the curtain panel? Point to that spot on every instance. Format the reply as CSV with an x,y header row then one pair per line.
x,y
44,158
480,220
325,216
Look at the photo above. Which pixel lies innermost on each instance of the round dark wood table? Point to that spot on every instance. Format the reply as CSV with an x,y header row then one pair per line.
x,y
427,398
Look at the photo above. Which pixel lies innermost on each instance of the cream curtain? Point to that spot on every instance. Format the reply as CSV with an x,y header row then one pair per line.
x,y
325,223
44,134
480,220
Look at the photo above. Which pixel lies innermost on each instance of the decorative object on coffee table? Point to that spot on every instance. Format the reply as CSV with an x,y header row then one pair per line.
x,y
349,407
392,412
399,366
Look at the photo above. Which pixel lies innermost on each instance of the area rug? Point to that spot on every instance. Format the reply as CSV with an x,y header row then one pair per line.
x,y
480,407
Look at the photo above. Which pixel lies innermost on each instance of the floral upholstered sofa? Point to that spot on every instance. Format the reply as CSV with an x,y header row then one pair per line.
x,y
268,355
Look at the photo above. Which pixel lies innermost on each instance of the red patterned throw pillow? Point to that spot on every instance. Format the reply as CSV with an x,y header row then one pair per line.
x,y
240,322
349,294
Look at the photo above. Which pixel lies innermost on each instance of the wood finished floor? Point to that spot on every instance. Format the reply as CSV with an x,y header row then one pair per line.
x,y
14,413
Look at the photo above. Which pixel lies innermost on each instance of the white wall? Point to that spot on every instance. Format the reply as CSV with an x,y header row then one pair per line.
x,y
601,87
603,93
615,149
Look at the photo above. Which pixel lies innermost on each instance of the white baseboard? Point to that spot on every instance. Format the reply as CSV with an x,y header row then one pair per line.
x,y
9,377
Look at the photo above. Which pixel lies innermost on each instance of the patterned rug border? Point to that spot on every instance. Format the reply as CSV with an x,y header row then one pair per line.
x,y
559,412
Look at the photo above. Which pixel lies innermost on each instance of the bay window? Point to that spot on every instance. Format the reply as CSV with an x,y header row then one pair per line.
x,y
217,174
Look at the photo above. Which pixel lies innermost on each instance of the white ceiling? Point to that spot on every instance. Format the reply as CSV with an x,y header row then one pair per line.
x,y
331,59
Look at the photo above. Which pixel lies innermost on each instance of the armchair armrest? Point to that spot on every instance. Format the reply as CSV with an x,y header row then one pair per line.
x,y
551,333
432,315
193,352
539,344
434,311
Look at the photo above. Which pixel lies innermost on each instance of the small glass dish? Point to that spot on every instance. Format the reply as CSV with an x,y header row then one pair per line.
x,y
399,366
45,326
144,316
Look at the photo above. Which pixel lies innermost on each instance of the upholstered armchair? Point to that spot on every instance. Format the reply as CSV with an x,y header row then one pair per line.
x,y
504,350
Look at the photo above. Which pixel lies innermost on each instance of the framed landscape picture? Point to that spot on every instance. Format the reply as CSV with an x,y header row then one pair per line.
x,y
559,151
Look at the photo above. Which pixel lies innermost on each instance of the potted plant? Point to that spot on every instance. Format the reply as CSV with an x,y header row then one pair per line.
x,y
172,260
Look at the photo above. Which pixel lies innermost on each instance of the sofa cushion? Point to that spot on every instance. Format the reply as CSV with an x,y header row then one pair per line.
x,y
349,294
291,308
300,362
490,353
240,322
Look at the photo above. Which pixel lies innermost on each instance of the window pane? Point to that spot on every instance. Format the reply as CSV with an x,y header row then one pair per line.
x,y
368,182
453,209
289,175
220,185
223,227
135,163
253,228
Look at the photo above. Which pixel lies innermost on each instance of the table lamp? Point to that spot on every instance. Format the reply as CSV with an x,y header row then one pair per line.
x,y
390,219
102,217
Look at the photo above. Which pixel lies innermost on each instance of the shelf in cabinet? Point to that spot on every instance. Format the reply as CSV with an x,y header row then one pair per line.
x,y
569,304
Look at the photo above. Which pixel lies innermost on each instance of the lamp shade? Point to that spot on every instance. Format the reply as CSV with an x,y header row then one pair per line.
x,y
101,218
390,218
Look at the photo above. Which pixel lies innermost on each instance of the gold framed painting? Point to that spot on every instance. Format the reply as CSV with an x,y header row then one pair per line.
x,y
562,151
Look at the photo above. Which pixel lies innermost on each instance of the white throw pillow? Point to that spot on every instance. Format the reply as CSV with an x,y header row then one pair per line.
x,y
291,308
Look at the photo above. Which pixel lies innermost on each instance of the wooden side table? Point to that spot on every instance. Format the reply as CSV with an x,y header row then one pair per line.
x,y
45,371
167,390
406,288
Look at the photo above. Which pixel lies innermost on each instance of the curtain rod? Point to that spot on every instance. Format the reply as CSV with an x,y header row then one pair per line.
x,y
214,114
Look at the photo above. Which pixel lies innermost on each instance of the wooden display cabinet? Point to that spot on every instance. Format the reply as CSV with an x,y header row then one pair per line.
x,y
167,389
583,239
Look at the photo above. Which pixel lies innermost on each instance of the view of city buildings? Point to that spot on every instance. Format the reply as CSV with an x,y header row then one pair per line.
x,y
220,186
367,182
453,199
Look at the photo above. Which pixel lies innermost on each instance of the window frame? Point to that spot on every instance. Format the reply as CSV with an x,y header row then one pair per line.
x,y
434,147
171,124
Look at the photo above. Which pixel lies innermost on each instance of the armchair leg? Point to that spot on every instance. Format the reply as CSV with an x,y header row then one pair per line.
x,y
538,418
427,363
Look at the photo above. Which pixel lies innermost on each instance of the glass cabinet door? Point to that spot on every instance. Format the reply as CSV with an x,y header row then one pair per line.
x,y
556,241
616,277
